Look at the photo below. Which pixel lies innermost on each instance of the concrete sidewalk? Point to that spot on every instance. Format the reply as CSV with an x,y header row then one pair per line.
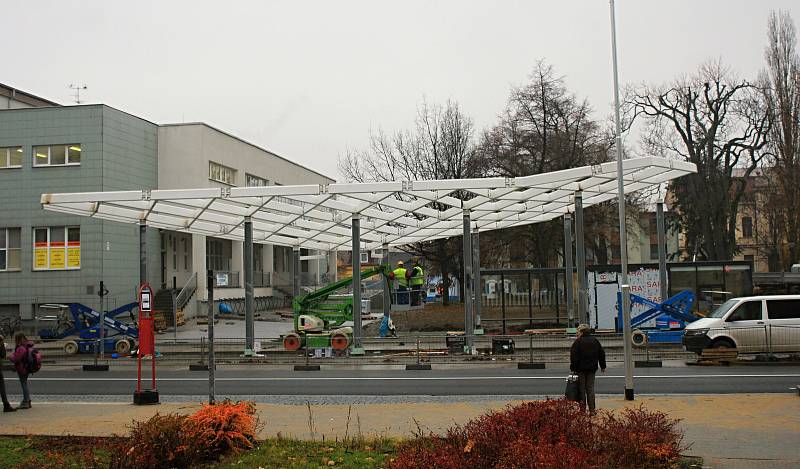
x,y
728,431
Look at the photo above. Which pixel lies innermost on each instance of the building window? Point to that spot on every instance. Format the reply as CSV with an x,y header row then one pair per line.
x,y
747,227
10,249
57,248
215,255
11,157
186,254
364,257
174,240
258,257
57,155
220,173
254,181
749,257
654,251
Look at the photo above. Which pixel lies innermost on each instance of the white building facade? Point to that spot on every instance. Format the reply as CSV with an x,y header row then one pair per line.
x,y
195,155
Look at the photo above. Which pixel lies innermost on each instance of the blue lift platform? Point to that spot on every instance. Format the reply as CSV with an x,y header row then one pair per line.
x,y
84,323
671,318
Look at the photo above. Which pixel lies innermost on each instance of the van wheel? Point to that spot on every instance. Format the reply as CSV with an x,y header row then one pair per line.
x,y
722,344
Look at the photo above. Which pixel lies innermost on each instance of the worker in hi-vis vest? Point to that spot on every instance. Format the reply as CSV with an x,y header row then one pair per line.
x,y
400,275
417,280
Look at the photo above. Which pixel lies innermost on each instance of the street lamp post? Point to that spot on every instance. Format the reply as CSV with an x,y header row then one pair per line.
x,y
623,239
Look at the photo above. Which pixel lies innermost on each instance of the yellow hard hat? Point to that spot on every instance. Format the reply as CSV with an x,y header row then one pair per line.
x,y
399,262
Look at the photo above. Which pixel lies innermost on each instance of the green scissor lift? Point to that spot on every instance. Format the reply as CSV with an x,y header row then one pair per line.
x,y
319,315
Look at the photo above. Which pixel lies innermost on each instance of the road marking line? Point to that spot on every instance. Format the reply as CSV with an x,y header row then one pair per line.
x,y
416,378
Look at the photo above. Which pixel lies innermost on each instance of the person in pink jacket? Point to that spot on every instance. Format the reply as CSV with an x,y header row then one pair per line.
x,y
20,360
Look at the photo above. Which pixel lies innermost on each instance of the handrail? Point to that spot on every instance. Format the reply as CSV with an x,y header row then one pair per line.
x,y
187,291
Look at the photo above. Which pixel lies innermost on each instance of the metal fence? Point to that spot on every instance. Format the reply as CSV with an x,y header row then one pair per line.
x,y
513,301
406,349
226,279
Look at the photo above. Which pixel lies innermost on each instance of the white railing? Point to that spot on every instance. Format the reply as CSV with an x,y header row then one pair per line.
x,y
187,291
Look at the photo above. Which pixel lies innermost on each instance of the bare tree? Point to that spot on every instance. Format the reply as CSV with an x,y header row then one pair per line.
x,y
544,128
439,147
718,123
781,85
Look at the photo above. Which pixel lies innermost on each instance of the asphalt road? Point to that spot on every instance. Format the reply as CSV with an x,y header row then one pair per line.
x,y
487,381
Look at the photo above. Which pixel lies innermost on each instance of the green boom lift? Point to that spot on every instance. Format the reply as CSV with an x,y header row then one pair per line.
x,y
319,315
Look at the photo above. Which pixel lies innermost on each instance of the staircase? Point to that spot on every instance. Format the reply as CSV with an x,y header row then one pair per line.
x,y
162,309
162,305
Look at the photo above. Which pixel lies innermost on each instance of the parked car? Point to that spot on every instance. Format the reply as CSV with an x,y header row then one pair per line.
x,y
755,324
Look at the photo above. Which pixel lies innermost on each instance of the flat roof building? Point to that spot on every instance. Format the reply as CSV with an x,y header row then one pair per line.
x,y
48,257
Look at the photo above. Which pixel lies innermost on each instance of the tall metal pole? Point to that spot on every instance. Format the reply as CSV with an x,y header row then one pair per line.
x,y
469,328
249,319
662,249
476,271
211,360
580,261
623,238
568,285
356,230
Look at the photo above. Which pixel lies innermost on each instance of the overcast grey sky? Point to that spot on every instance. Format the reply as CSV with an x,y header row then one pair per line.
x,y
309,79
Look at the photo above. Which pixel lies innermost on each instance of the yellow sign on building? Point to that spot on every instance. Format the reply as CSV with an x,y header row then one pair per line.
x,y
73,257
40,258
57,258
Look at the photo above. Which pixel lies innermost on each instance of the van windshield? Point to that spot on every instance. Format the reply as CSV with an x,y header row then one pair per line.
x,y
723,309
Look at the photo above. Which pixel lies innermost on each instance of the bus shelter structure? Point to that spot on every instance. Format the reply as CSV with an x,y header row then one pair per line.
x,y
368,216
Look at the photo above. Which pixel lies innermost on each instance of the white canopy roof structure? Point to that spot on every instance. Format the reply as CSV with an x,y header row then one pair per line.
x,y
397,213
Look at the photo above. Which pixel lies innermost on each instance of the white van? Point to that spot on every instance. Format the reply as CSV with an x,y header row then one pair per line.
x,y
754,324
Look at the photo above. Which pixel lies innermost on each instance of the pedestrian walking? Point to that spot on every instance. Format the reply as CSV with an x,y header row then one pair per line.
x,y
585,355
6,405
21,358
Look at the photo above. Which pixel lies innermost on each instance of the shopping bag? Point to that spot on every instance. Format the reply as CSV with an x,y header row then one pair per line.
x,y
571,391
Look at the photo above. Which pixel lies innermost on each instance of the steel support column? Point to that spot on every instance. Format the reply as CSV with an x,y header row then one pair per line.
x,y
469,328
142,252
296,265
662,250
356,250
387,296
568,284
476,271
580,261
249,318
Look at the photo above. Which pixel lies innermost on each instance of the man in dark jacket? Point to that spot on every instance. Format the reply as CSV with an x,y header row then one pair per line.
x,y
584,356
6,405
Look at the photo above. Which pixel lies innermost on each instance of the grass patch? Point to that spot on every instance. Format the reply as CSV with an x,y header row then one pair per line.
x,y
83,452
296,454
54,452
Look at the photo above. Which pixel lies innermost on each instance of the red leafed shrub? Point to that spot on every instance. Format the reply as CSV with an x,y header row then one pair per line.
x,y
525,453
219,429
181,441
639,438
155,443
431,452
549,434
